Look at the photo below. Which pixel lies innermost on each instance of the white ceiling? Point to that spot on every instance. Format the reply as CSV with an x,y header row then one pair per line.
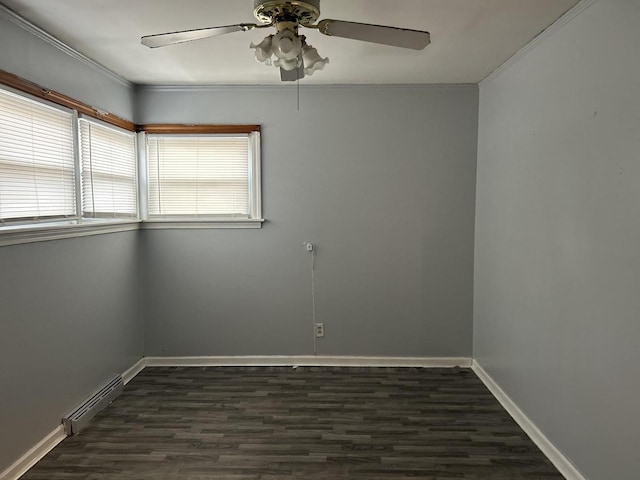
x,y
470,38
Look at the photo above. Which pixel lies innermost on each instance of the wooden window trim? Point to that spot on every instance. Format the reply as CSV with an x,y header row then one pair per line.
x,y
175,129
52,96
58,98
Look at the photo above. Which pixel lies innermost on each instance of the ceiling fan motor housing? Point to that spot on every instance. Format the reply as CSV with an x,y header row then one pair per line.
x,y
302,12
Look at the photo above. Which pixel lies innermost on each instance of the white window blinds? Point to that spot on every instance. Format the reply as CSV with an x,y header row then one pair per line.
x,y
37,180
108,166
192,175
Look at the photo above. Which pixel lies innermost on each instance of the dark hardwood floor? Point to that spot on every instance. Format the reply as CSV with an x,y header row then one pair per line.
x,y
306,423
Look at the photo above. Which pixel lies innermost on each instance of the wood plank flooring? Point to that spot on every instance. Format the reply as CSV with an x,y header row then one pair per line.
x,y
307,423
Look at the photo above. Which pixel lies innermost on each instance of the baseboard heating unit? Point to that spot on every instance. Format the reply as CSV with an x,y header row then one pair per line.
x,y
80,416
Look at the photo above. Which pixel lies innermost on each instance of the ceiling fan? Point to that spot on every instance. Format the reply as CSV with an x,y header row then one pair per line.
x,y
286,49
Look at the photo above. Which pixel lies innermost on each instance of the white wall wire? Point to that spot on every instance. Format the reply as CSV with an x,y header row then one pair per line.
x,y
313,300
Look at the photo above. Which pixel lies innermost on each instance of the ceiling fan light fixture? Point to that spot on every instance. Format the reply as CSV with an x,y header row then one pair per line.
x,y
312,60
287,45
264,50
287,65
288,51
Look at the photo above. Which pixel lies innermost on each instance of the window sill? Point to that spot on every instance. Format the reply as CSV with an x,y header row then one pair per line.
x,y
16,235
55,231
201,224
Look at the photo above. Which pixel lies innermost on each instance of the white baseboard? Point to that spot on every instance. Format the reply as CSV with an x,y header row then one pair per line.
x,y
561,462
32,457
555,456
128,375
310,360
47,444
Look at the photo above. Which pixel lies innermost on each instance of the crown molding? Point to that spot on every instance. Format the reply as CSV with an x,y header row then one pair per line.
x,y
23,23
226,88
541,38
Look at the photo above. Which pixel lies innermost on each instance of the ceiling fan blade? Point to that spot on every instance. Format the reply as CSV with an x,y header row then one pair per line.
x,y
172,38
396,37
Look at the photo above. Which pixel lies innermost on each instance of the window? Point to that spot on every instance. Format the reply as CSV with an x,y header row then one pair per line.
x,y
37,163
64,173
204,177
108,171
60,176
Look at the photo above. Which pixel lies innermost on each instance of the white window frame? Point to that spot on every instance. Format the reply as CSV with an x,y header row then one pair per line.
x,y
20,231
254,219
87,216
43,150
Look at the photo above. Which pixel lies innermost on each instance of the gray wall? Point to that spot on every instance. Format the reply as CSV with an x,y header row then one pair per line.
x,y
382,179
70,312
69,320
557,273
30,57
